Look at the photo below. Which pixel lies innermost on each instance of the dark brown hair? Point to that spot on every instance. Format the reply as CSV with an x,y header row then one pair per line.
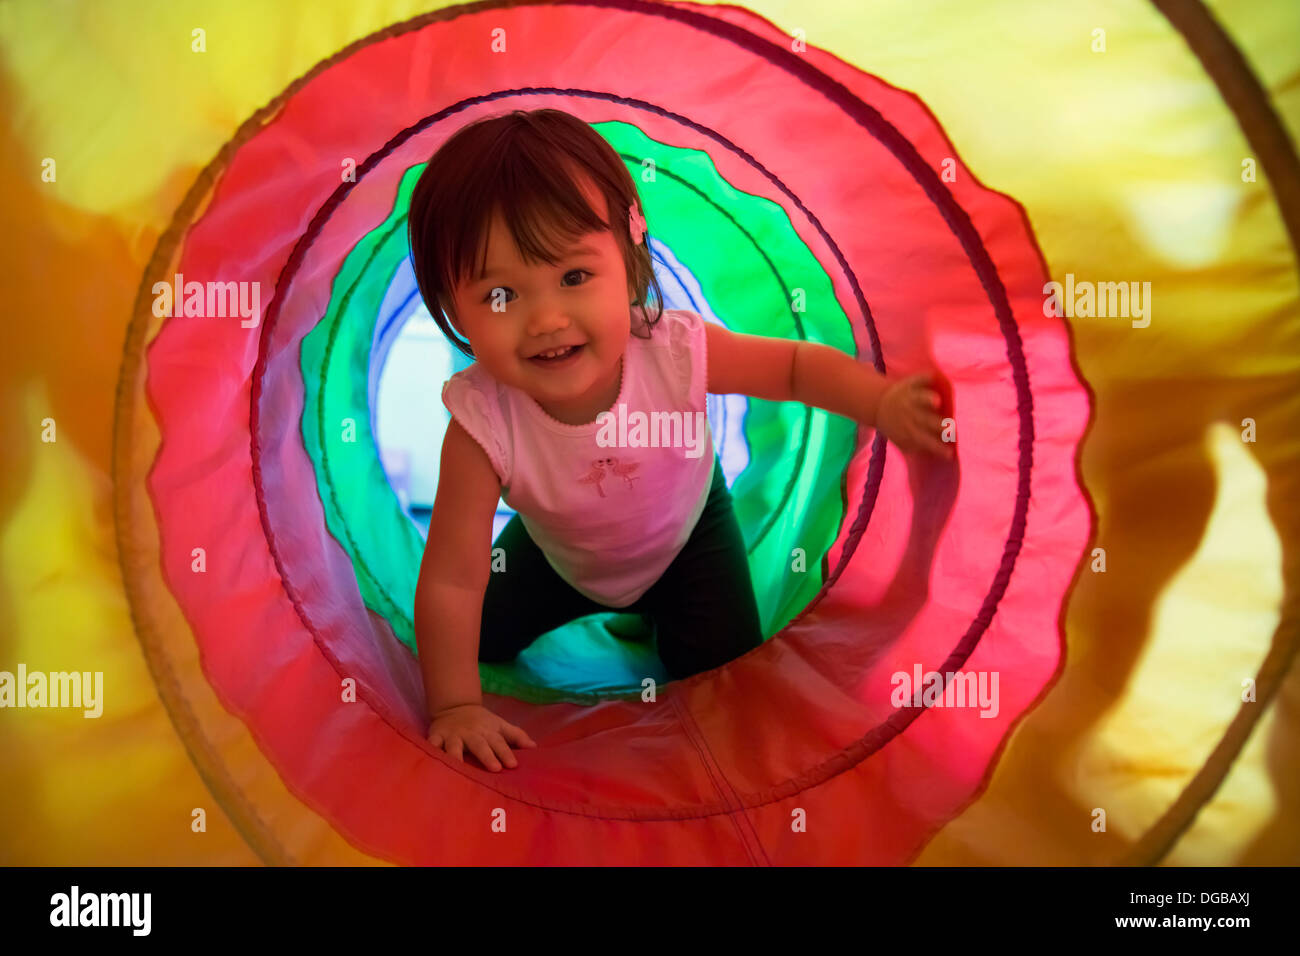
x,y
529,164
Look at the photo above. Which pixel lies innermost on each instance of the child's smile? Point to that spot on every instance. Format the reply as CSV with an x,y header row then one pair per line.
x,y
559,357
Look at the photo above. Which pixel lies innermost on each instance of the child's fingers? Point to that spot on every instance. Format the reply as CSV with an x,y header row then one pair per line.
x,y
924,388
927,422
517,735
920,418
919,395
480,748
928,435
503,751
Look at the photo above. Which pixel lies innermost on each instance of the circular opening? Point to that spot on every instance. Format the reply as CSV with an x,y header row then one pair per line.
x,y
783,462
410,359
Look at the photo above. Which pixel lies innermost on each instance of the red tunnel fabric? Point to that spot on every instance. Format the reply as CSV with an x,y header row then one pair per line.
x,y
794,753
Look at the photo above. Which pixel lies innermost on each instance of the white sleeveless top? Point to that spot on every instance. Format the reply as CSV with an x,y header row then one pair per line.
x,y
610,503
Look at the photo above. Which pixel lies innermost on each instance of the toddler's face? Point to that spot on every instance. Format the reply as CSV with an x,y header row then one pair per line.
x,y
582,300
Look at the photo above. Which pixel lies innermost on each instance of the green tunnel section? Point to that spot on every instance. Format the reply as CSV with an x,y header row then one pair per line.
x,y
750,265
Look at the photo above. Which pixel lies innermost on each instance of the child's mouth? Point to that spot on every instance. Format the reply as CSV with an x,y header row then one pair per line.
x,y
565,358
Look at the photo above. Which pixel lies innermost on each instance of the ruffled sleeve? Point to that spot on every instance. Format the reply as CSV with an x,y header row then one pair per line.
x,y
471,398
688,349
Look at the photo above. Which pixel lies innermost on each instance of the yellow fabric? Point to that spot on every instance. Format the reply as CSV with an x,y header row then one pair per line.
x,y
1129,165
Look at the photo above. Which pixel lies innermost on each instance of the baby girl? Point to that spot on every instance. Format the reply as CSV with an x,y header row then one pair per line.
x,y
530,251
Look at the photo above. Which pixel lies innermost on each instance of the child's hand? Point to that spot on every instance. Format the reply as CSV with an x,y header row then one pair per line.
x,y
476,727
909,416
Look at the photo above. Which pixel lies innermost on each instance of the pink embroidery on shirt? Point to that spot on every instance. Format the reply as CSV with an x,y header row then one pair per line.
x,y
598,473
625,470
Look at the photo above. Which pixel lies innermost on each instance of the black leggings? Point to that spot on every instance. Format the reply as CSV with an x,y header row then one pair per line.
x,y
702,607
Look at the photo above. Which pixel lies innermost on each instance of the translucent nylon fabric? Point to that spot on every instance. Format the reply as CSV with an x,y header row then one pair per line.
x,y
943,567
1129,165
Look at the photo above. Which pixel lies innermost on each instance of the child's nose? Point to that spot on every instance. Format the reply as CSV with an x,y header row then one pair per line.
x,y
545,319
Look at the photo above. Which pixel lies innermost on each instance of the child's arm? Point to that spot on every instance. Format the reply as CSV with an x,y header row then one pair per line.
x,y
785,370
449,607
454,573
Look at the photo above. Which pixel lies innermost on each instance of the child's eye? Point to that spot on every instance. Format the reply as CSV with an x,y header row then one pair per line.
x,y
571,272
